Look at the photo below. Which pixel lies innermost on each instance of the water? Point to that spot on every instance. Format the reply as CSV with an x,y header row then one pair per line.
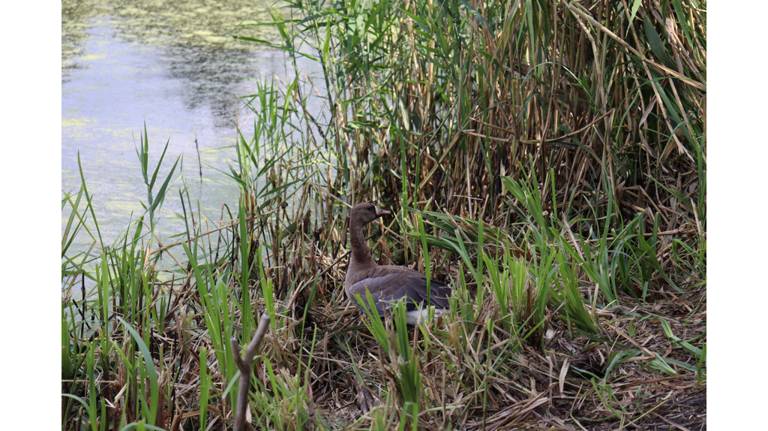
x,y
175,67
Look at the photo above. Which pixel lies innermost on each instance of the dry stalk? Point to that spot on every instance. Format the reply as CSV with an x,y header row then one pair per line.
x,y
245,365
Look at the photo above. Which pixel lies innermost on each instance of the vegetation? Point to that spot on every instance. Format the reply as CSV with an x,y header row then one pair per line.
x,y
546,158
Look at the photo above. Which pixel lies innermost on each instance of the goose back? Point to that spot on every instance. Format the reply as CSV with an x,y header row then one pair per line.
x,y
387,284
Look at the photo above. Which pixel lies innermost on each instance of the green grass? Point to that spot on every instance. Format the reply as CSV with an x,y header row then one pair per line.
x,y
546,159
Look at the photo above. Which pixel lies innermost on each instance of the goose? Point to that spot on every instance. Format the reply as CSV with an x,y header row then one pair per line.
x,y
387,283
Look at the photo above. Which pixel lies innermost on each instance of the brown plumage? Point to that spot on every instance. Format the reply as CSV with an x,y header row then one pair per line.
x,y
387,283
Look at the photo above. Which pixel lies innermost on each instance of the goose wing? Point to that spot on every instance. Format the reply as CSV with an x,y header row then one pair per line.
x,y
387,286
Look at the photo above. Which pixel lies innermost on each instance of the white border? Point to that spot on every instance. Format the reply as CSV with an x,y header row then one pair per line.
x,y
737,259
30,93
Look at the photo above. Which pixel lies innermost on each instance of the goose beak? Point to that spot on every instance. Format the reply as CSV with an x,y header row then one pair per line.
x,y
381,212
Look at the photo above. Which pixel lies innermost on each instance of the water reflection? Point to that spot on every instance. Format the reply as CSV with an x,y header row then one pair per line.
x,y
173,65
212,77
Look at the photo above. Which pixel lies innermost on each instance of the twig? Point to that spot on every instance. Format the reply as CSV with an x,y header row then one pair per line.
x,y
571,237
676,425
245,365
212,231
536,141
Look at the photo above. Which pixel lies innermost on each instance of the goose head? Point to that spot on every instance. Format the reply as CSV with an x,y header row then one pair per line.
x,y
364,213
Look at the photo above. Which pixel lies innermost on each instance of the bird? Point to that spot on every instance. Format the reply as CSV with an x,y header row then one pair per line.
x,y
387,284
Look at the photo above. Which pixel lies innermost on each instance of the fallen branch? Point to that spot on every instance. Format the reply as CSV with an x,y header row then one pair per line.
x,y
245,365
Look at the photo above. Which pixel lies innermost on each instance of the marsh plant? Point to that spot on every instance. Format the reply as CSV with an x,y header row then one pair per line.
x,y
547,159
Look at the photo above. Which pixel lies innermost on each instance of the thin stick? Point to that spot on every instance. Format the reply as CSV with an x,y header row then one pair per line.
x,y
151,253
245,365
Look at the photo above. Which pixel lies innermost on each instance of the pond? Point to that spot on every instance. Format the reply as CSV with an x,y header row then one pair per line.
x,y
176,67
